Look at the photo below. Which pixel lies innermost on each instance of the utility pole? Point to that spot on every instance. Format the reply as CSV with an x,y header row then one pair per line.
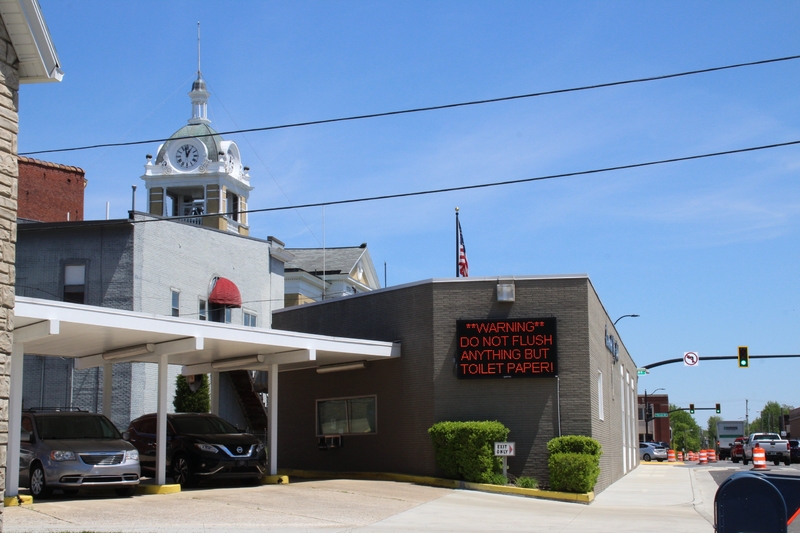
x,y
746,416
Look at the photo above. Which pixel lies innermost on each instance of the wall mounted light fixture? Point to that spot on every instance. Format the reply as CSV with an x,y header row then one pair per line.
x,y
327,369
505,291
238,362
129,351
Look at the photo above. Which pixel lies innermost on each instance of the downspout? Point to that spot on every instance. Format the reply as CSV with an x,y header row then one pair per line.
x,y
558,403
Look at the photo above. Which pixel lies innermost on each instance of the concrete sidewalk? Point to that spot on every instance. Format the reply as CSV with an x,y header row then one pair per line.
x,y
651,498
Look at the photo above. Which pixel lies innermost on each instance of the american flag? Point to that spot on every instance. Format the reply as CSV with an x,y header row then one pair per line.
x,y
463,264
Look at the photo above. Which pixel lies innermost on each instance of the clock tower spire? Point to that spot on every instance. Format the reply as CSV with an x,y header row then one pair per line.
x,y
199,94
197,177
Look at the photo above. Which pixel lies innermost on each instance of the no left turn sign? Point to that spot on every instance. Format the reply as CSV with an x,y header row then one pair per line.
x,y
691,359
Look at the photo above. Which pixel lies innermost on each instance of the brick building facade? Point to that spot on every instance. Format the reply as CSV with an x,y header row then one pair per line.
x,y
657,429
50,192
594,393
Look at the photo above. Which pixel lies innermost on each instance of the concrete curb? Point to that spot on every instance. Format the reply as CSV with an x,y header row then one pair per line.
x,y
586,498
274,480
14,501
158,489
665,463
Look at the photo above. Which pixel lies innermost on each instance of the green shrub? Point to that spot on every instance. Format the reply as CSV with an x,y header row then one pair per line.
x,y
465,450
188,401
575,444
573,472
525,482
496,478
574,463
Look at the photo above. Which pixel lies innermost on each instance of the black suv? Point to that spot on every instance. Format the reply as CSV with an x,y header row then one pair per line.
x,y
199,446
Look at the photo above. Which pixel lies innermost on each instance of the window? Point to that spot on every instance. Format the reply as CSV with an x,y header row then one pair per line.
x,y
249,319
176,303
350,416
75,283
219,313
600,413
202,310
232,206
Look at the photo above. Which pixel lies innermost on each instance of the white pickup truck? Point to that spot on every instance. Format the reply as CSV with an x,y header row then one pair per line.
x,y
775,448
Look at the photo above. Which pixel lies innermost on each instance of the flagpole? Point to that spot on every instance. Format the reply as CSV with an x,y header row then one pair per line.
x,y
457,243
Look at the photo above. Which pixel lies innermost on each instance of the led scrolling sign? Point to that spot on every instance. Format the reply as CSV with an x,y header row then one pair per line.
x,y
506,348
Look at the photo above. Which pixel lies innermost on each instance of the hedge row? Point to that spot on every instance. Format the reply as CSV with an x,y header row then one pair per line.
x,y
465,450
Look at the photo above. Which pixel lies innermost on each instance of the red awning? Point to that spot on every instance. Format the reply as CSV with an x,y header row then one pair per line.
x,y
226,293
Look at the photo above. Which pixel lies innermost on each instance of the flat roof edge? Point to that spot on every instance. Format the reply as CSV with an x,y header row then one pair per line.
x,y
432,281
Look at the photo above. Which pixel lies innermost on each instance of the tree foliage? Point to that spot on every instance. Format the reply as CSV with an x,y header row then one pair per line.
x,y
686,434
712,427
770,418
188,401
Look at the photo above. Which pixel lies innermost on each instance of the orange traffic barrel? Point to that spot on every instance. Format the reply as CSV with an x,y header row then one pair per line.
x,y
712,456
759,458
703,457
671,456
680,456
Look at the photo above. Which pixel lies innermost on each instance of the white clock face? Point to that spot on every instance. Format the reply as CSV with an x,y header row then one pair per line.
x,y
187,156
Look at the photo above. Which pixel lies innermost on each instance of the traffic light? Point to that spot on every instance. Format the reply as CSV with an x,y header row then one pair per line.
x,y
691,408
744,357
649,412
719,410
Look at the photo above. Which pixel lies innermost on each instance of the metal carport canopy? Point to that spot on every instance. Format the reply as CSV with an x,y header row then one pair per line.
x,y
51,328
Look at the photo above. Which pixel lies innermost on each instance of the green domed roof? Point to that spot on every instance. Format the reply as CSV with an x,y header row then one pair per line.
x,y
205,133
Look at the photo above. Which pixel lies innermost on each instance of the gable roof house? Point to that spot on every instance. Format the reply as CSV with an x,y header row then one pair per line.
x,y
316,274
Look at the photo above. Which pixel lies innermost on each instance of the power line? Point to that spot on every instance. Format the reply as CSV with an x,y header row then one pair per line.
x,y
430,108
471,187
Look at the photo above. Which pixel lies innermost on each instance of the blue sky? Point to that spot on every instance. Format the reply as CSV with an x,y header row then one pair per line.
x,y
705,251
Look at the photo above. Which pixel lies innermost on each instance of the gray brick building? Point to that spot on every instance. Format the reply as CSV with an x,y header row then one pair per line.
x,y
144,264
593,394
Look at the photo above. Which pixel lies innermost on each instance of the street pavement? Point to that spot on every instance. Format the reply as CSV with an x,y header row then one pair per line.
x,y
654,497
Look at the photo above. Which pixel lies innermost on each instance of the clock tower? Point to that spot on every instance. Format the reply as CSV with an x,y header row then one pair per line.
x,y
197,176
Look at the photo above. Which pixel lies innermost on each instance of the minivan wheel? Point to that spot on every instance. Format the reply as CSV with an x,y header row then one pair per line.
x,y
38,484
181,471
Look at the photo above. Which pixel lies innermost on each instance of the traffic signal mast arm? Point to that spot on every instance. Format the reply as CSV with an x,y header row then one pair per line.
x,y
717,358
696,409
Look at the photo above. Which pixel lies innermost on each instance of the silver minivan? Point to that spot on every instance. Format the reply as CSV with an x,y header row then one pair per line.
x,y
68,450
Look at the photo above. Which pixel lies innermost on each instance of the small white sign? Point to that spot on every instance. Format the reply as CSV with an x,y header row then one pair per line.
x,y
506,449
691,359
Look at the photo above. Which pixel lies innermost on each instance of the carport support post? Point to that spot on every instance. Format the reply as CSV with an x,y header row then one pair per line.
x,y
214,393
14,419
272,394
161,417
108,380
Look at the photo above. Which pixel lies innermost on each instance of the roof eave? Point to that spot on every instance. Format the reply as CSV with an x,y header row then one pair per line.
x,y
38,60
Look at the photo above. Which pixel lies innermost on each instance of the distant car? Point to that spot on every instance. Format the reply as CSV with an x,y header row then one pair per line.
x,y
737,451
649,451
199,446
794,450
69,450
